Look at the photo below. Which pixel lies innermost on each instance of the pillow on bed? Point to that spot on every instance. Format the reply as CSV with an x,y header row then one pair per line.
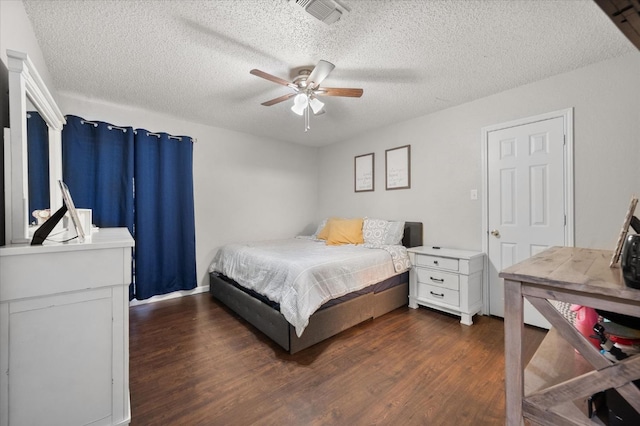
x,y
373,230
320,228
344,231
323,234
393,233
323,229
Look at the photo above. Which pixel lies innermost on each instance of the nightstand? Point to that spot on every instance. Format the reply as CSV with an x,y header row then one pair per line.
x,y
449,280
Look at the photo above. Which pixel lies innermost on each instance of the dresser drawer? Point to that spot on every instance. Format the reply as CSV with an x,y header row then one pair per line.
x,y
444,295
437,262
438,278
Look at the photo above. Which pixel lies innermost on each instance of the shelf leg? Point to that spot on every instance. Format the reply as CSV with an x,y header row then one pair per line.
x,y
514,368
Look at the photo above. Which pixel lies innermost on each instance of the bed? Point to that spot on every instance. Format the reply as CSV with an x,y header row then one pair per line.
x,y
331,318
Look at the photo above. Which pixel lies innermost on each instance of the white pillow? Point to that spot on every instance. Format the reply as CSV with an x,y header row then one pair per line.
x,y
393,233
373,230
320,228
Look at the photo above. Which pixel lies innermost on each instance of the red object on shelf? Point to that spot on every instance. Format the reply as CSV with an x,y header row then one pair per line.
x,y
624,341
586,318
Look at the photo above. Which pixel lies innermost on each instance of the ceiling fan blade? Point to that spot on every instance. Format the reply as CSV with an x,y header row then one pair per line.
x,y
272,78
337,91
279,99
319,73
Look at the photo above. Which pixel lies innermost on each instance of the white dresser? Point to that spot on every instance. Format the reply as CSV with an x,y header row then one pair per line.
x,y
448,280
64,331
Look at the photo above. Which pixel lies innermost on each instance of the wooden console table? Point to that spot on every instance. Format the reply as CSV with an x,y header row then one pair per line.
x,y
573,275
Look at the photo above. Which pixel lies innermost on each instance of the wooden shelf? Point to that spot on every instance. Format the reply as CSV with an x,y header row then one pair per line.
x,y
555,362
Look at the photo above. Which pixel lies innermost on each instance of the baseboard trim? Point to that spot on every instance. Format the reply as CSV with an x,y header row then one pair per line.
x,y
175,294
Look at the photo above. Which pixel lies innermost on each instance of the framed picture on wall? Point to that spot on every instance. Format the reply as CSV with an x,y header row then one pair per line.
x,y
397,164
364,172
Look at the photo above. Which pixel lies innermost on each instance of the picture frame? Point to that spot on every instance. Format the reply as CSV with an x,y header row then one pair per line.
x,y
364,172
43,231
397,164
68,201
623,232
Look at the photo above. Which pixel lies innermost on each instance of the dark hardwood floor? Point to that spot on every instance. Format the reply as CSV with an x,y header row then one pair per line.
x,y
194,362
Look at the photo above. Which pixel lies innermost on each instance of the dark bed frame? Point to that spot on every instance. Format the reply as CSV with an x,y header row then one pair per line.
x,y
324,323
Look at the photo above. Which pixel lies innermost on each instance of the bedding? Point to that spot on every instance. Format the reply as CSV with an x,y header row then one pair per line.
x,y
301,274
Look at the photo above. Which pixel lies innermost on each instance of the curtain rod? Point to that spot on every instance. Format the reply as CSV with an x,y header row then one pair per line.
x,y
178,138
124,129
109,126
89,122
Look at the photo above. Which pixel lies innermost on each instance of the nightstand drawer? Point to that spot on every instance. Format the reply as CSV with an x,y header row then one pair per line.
x,y
437,278
444,295
437,262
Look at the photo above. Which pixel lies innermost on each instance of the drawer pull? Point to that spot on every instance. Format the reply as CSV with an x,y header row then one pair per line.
x,y
437,280
435,262
437,294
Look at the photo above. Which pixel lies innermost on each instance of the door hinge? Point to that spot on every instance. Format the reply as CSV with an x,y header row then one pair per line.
x,y
564,139
565,220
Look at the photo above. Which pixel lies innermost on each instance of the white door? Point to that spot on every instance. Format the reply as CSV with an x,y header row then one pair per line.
x,y
525,200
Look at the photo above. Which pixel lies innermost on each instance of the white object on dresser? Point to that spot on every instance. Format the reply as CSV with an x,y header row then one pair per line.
x,y
64,331
448,280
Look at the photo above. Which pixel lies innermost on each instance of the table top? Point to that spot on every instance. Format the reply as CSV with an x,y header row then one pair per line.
x,y
576,269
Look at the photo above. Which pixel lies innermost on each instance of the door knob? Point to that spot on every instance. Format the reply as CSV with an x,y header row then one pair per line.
x,y
495,233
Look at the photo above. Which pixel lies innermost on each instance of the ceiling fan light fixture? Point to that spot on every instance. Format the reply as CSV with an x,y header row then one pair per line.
x,y
316,105
300,102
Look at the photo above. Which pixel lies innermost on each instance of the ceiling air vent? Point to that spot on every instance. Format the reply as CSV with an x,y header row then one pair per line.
x,y
326,11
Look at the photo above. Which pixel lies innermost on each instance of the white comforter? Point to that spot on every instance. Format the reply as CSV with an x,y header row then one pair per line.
x,y
302,274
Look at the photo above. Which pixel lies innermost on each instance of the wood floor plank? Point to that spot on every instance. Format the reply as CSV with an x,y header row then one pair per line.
x,y
194,362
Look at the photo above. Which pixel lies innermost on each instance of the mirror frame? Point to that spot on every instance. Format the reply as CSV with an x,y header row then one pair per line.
x,y
24,81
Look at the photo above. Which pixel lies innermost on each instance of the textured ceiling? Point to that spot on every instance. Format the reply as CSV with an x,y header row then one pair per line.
x,y
191,59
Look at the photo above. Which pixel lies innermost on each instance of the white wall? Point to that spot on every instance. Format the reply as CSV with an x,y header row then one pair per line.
x,y
245,187
446,157
16,33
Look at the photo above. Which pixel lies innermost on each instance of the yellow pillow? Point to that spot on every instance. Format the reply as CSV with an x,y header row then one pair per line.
x,y
344,231
324,233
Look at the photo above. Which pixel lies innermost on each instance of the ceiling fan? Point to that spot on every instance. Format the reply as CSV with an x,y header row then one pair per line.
x,y
306,89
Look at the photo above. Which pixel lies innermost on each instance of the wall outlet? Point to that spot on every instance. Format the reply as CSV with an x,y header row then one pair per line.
x,y
474,194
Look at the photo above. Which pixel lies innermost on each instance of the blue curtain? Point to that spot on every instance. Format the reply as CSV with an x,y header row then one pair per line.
x,y
38,163
143,181
164,214
97,166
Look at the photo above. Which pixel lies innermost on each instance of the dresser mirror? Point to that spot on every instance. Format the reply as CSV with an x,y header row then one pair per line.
x,y
27,92
37,166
